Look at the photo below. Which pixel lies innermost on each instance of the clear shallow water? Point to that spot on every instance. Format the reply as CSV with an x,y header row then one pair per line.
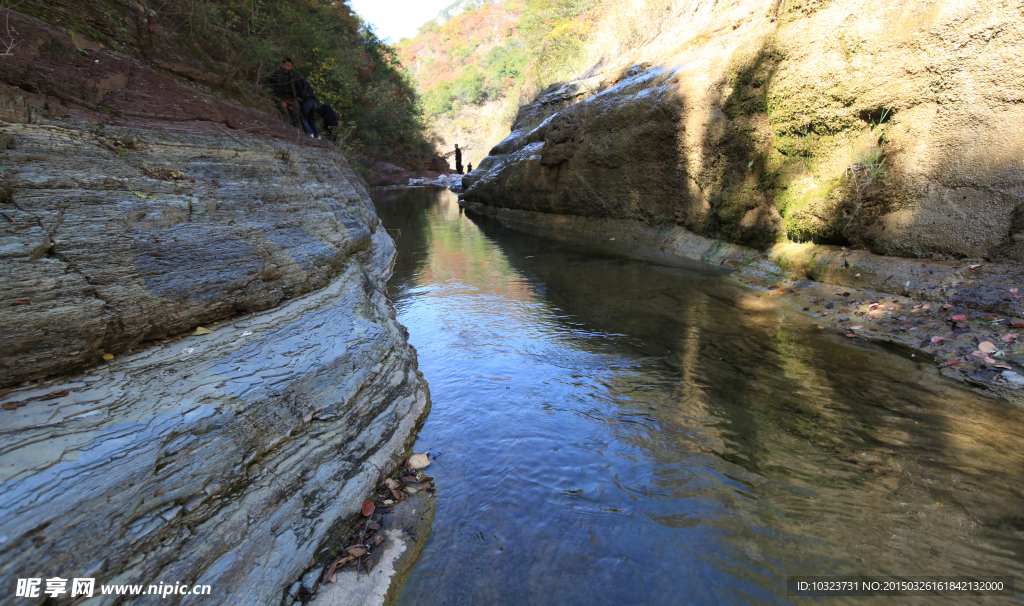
x,y
614,432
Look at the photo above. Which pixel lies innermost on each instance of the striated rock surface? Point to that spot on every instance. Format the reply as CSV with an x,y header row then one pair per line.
x,y
135,209
115,235
891,128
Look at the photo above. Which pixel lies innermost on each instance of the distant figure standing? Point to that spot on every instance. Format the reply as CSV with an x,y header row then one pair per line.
x,y
469,168
285,85
458,159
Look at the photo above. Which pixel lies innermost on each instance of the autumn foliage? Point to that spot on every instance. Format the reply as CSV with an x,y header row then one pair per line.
x,y
496,51
348,65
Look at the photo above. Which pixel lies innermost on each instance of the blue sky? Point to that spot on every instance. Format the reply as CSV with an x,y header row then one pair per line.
x,y
397,19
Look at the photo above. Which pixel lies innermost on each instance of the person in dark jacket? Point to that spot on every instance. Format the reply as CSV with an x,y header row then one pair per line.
x,y
307,106
469,168
286,84
330,118
458,159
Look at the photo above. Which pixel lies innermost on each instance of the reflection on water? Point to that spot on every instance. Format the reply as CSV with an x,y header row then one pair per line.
x,y
614,432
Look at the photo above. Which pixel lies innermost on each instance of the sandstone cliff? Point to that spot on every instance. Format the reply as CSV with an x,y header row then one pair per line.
x,y
138,206
895,127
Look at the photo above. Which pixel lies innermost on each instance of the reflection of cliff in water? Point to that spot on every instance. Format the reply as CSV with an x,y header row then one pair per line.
x,y
604,420
850,444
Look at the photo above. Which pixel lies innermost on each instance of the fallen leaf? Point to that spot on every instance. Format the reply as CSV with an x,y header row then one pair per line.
x,y
986,346
56,394
418,461
398,495
851,335
978,354
10,406
856,327
368,508
926,306
21,303
378,540
937,340
1009,337
329,573
973,267
410,490
1014,289
947,306
857,276
108,357
392,484
201,331
356,551
952,362
1003,366
388,502
370,524
989,360
959,317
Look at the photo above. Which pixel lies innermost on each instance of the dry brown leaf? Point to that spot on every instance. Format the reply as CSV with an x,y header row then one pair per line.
x,y
368,508
986,347
356,551
378,540
937,340
201,331
56,394
418,461
392,484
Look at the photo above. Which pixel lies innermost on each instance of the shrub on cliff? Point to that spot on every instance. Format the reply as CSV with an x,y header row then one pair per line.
x,y
231,44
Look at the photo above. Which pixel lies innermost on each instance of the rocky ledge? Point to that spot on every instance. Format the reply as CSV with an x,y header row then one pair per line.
x,y
201,376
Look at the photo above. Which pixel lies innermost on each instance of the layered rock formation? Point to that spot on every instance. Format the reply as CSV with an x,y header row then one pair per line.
x,y
135,209
893,128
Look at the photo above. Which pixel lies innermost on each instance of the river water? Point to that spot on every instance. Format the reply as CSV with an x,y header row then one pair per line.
x,y
609,431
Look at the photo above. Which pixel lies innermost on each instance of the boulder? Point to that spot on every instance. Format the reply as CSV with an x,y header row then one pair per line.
x,y
890,129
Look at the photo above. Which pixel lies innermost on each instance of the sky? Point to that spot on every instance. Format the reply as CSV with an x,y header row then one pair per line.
x,y
397,19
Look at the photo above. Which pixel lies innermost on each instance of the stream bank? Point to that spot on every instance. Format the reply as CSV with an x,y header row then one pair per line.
x,y
883,297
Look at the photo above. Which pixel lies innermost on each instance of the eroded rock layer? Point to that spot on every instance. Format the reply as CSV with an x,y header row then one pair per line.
x,y
134,448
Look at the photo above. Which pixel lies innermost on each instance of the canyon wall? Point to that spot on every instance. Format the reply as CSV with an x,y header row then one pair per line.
x,y
201,375
893,128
